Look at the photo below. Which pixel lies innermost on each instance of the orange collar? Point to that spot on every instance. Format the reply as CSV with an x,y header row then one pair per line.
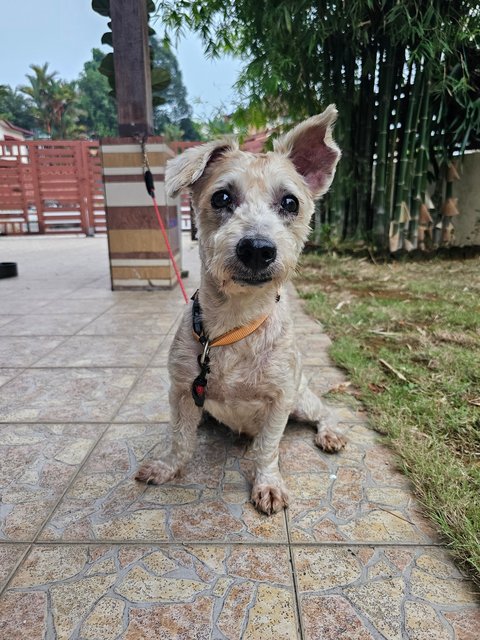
x,y
234,335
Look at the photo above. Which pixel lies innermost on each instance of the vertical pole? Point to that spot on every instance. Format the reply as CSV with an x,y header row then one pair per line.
x,y
131,55
81,185
35,167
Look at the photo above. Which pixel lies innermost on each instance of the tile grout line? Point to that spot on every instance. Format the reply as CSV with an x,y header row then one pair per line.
x,y
222,543
296,592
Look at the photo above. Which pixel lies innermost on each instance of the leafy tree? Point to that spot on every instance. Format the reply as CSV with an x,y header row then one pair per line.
x,y
172,132
15,108
98,112
176,110
404,76
53,102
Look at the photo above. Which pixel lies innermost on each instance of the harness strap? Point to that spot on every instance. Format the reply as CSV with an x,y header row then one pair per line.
x,y
199,385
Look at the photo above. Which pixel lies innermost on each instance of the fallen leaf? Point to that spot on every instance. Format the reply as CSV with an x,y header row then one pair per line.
x,y
376,388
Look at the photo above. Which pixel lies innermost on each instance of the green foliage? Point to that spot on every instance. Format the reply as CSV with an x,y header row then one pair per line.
x,y
59,109
53,103
378,60
426,399
15,108
98,112
175,109
172,132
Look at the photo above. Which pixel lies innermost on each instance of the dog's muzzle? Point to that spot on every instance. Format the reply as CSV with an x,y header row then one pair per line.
x,y
257,253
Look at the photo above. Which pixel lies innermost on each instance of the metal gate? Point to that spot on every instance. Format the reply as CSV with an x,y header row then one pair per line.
x,y
51,186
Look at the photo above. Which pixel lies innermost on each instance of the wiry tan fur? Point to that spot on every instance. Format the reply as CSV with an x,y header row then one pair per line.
x,y
256,383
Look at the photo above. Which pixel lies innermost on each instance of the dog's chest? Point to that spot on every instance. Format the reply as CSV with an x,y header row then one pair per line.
x,y
244,384
239,374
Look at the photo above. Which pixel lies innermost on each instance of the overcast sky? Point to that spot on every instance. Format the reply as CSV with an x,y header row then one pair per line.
x,y
63,33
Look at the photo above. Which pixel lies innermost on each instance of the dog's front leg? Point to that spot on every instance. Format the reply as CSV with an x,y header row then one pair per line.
x,y
269,493
185,417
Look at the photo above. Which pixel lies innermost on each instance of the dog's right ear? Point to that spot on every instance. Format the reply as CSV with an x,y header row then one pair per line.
x,y
184,170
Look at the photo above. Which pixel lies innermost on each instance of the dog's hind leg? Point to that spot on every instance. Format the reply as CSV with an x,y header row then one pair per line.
x,y
309,408
185,418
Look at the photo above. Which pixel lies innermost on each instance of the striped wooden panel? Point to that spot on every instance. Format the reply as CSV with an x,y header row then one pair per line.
x,y
138,252
141,217
137,241
142,273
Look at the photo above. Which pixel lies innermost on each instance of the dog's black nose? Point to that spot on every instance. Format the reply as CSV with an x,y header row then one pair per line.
x,y
256,253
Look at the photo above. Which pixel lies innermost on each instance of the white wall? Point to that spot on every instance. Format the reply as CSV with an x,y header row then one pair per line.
x,y
467,190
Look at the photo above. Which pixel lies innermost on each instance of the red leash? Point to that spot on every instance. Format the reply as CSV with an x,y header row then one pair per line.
x,y
148,177
169,248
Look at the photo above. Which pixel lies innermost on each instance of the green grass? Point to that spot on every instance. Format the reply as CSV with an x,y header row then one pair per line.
x,y
423,320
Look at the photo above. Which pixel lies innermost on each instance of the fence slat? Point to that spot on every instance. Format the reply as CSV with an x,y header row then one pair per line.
x,y
62,179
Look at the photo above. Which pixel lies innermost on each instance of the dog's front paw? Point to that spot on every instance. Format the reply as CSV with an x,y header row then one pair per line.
x,y
330,441
156,472
269,498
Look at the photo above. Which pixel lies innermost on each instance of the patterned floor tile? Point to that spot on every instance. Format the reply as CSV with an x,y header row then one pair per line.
x,y
355,495
160,303
323,379
7,374
160,359
148,400
17,305
71,395
110,324
10,555
102,351
46,325
36,464
7,319
363,593
314,348
24,351
210,501
94,307
107,592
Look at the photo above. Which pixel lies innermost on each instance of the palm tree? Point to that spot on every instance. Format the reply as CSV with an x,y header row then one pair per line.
x,y
54,102
40,92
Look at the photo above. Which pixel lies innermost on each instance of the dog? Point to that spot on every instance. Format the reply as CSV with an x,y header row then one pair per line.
x,y
253,213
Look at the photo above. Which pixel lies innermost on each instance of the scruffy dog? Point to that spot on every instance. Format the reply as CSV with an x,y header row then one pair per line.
x,y
253,213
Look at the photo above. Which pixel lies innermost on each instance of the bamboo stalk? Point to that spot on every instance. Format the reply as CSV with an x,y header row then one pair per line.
x,y
421,166
401,211
365,156
385,97
392,164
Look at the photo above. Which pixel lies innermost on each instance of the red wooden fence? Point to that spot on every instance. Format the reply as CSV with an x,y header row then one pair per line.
x,y
51,186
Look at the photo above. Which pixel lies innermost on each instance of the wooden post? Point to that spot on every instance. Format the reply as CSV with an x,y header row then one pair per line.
x,y
133,86
34,163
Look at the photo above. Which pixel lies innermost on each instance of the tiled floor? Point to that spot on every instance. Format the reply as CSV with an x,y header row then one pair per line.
x,y
88,553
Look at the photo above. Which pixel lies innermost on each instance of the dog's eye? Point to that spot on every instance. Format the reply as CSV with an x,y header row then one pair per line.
x,y
289,203
221,199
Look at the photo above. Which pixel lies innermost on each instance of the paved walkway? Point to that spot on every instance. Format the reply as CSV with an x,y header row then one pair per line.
x,y
88,553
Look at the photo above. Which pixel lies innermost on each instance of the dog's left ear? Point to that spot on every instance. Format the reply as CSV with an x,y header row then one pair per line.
x,y
188,167
311,148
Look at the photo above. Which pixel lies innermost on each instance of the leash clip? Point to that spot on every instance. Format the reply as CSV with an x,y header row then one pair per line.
x,y
206,351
